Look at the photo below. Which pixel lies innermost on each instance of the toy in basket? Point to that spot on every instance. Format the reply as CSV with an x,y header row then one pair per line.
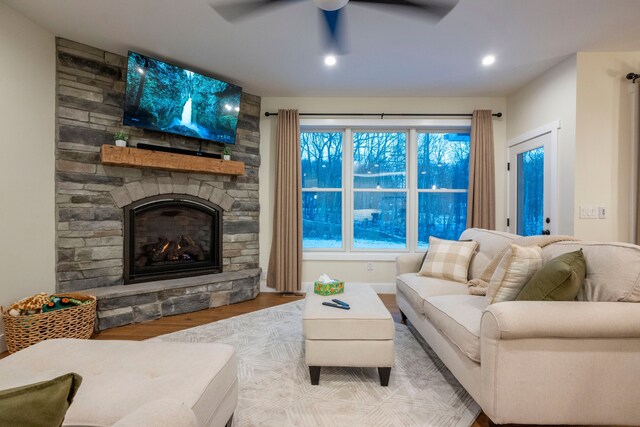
x,y
42,316
325,285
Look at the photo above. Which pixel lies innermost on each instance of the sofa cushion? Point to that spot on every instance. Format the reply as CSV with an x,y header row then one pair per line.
x,y
448,259
120,376
458,318
41,404
490,243
516,267
558,280
613,269
416,289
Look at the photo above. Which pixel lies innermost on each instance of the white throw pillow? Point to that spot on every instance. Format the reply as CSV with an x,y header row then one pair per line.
x,y
448,259
515,269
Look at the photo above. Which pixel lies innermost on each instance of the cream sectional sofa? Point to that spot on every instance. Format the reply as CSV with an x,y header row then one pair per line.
x,y
535,362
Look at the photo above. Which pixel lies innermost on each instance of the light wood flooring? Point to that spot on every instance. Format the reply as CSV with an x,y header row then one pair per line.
x,y
143,331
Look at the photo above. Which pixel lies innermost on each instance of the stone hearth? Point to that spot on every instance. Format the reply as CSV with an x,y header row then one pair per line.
x,y
121,305
90,197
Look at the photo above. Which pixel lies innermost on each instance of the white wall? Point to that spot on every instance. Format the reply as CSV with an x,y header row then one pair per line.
x,y
27,159
604,123
551,97
356,271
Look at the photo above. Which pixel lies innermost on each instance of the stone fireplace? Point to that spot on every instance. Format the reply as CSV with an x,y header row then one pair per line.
x,y
148,243
167,237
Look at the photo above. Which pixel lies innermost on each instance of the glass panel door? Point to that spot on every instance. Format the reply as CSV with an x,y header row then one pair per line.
x,y
530,192
532,186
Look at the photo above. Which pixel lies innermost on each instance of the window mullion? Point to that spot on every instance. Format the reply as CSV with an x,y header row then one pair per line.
x,y
347,184
412,195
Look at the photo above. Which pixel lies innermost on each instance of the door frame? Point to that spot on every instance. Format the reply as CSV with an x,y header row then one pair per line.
x,y
550,165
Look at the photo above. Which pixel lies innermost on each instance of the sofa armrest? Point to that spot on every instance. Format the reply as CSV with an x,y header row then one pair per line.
x,y
562,319
160,413
569,362
408,263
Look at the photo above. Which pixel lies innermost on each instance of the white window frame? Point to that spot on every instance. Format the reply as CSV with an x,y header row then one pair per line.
x,y
415,175
354,190
412,127
342,190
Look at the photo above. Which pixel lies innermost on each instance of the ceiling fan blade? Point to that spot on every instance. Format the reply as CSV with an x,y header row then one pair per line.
x,y
335,38
436,10
236,10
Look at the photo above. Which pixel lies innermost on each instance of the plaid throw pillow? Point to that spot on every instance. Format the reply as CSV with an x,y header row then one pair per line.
x,y
516,267
448,259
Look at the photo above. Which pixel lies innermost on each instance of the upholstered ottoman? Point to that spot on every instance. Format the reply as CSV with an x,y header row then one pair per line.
x,y
359,337
126,382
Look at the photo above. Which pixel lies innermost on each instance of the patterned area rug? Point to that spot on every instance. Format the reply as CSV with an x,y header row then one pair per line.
x,y
274,386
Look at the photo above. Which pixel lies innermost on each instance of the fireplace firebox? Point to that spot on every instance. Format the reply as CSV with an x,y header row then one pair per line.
x,y
167,237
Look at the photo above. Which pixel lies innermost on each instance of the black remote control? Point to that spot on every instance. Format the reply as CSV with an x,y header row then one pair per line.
x,y
330,304
342,303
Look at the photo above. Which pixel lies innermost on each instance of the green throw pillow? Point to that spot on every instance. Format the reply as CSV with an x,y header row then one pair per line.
x,y
41,404
558,280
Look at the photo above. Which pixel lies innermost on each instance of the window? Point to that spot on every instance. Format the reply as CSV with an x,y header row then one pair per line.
x,y
443,180
382,190
379,190
321,159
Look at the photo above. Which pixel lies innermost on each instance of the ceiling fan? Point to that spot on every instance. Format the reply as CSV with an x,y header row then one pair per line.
x,y
331,10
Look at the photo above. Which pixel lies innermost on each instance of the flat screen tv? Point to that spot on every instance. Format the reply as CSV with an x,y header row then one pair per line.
x,y
167,98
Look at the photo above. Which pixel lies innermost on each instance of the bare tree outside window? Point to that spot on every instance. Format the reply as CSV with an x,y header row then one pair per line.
x,y
443,180
380,193
321,159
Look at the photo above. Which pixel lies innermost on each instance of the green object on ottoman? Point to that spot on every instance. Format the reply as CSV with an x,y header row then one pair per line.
x,y
328,288
41,404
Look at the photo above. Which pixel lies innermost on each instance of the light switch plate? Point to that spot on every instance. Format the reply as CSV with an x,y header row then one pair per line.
x,y
588,212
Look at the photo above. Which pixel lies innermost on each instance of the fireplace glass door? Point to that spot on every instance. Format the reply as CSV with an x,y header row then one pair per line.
x,y
171,238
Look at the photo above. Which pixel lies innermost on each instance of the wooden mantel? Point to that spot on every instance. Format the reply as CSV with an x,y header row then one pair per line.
x,y
148,159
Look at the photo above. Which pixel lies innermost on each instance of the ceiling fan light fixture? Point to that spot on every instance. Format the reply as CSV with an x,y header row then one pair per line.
x,y
330,60
331,5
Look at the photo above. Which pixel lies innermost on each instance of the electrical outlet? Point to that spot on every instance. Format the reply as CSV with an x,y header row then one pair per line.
x,y
602,212
369,266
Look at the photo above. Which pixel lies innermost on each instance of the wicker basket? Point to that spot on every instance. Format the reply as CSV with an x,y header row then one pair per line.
x,y
73,322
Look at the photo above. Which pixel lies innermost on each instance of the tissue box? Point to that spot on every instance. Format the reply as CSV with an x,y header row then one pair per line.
x,y
329,288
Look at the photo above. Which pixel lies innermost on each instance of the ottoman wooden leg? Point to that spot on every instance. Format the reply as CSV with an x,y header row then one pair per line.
x,y
314,373
384,373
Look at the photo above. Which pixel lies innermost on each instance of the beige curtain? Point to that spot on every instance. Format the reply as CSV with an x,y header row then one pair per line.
x,y
637,178
481,202
285,261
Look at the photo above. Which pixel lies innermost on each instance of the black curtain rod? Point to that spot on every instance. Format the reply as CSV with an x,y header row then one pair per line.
x,y
383,115
633,76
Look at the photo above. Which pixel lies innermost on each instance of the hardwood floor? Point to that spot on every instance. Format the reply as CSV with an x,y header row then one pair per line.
x,y
143,331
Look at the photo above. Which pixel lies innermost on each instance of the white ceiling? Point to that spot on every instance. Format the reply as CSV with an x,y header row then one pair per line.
x,y
280,53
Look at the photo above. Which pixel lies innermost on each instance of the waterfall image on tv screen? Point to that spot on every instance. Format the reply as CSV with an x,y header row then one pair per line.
x,y
168,98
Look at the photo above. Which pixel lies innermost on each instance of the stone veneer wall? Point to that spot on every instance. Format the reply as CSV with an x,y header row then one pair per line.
x,y
89,196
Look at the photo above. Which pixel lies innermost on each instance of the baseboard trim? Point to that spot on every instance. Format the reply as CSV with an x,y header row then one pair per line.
x,y
3,344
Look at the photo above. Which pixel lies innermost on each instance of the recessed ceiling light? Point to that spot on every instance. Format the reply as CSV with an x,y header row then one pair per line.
x,y
488,60
330,60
